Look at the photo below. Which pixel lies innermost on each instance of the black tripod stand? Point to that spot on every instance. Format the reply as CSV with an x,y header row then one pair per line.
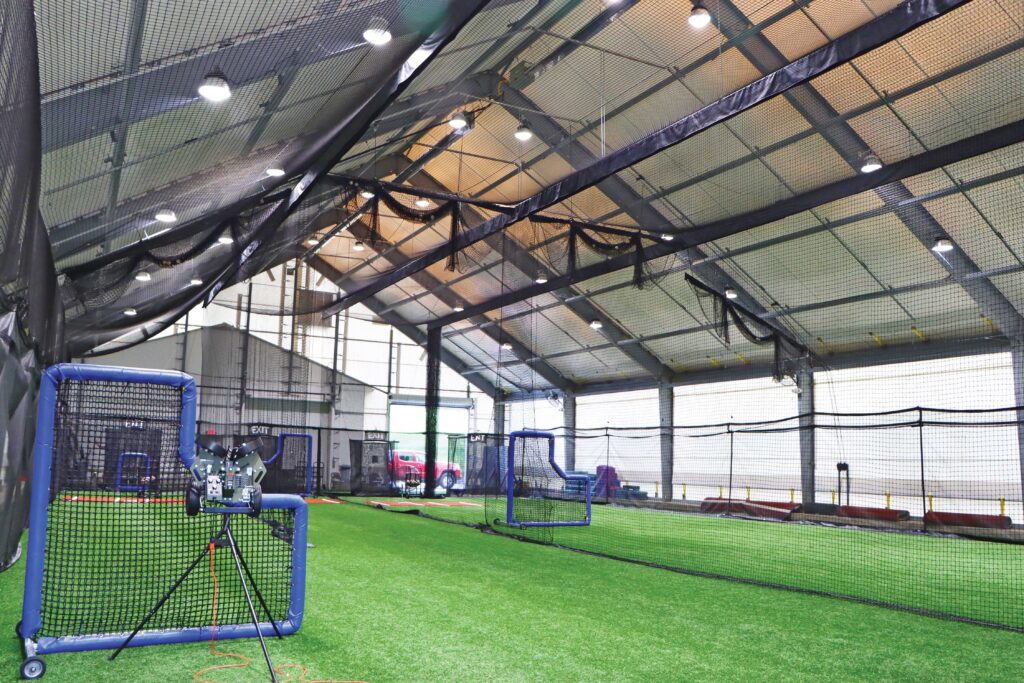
x,y
223,538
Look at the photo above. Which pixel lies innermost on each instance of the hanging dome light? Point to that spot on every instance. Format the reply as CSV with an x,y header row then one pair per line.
x,y
942,246
377,32
225,239
366,194
730,293
274,172
506,345
667,237
195,282
130,312
166,216
871,163
459,121
541,279
596,324
699,16
143,276
523,133
422,202
358,246
215,87
458,308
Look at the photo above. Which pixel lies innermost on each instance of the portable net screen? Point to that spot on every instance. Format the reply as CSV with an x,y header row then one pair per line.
x,y
538,492
108,530
290,466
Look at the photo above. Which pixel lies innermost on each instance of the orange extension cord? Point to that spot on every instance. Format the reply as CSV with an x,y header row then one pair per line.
x,y
244,661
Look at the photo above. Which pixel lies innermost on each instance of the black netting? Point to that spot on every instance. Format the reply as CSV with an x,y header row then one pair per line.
x,y
117,535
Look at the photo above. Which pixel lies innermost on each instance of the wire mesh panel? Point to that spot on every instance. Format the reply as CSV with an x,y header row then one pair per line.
x,y
109,533
539,493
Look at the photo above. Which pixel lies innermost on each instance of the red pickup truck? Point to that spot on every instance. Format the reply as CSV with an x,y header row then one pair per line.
x,y
403,462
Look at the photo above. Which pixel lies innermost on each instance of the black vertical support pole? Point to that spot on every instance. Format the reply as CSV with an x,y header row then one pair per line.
x,y
920,452
184,344
334,362
242,388
319,461
433,404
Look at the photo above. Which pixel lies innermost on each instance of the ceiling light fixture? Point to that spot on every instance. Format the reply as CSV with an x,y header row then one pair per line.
x,y
541,279
730,293
458,308
358,246
422,203
596,324
215,87
143,276
699,16
667,237
274,172
523,133
166,216
942,246
225,239
377,32
195,282
459,121
130,312
312,241
871,163
506,345
366,194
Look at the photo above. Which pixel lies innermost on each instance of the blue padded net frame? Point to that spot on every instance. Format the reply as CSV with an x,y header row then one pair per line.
x,y
56,491
538,492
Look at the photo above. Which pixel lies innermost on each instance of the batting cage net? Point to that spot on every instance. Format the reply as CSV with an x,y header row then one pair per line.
x,y
537,492
111,501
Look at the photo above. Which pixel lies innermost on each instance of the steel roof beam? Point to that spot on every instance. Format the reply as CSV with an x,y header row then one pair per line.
x,y
408,329
523,354
904,18
530,265
974,146
814,107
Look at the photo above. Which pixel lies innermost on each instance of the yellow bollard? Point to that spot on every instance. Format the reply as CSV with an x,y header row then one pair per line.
x,y
748,493
888,500
721,493
656,490
684,491
930,499
1002,506
833,497
792,495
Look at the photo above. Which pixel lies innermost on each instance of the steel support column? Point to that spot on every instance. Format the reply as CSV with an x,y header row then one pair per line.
x,y
805,408
569,421
666,419
1017,353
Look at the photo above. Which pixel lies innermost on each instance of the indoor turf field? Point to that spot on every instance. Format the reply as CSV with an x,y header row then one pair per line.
x,y
502,610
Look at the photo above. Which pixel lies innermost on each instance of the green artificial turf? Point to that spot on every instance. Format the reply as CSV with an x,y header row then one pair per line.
x,y
397,598
978,580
